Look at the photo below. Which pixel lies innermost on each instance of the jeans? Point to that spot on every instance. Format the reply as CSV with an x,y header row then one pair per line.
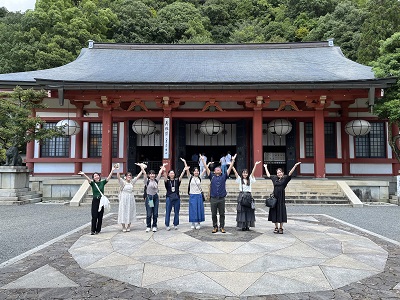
x,y
218,203
152,211
97,216
224,168
176,204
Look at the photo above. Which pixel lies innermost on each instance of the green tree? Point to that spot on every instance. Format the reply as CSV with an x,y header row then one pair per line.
x,y
343,24
387,65
382,21
181,23
17,126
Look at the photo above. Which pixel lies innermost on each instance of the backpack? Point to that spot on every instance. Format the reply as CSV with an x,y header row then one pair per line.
x,y
189,183
145,188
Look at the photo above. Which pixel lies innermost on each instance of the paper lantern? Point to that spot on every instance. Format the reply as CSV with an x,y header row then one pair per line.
x,y
211,127
358,127
143,126
280,127
70,127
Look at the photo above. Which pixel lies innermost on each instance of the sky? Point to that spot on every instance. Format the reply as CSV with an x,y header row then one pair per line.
x,y
18,5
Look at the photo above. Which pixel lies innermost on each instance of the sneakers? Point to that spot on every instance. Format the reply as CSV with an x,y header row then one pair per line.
x,y
128,229
215,230
176,227
123,229
198,226
192,227
148,229
223,230
154,229
168,228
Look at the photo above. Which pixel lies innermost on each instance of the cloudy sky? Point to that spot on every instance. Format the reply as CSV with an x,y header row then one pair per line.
x,y
18,5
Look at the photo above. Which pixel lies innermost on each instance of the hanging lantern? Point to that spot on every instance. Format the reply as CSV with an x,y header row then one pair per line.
x,y
143,126
358,127
70,127
211,127
280,127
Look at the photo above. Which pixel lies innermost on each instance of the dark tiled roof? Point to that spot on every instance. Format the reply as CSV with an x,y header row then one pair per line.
x,y
141,64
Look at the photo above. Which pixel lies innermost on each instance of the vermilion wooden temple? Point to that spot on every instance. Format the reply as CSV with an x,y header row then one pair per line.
x,y
310,86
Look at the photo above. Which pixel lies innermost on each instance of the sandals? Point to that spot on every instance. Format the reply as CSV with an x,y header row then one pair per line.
x,y
276,230
280,231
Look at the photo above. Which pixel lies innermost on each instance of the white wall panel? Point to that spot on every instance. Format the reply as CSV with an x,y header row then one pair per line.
x,y
371,169
333,168
338,140
54,168
121,140
306,168
302,140
73,146
85,139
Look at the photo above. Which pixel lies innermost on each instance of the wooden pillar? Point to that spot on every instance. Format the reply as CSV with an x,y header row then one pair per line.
x,y
345,141
396,166
106,146
79,140
319,144
257,143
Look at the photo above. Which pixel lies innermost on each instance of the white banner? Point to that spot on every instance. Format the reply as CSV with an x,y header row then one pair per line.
x,y
166,138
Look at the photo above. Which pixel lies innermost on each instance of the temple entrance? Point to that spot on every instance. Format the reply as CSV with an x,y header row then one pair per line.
x,y
213,153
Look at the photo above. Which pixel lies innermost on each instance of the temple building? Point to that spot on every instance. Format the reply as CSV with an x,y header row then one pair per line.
x,y
276,103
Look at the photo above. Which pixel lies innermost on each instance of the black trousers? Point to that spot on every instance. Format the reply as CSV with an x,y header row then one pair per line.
x,y
97,216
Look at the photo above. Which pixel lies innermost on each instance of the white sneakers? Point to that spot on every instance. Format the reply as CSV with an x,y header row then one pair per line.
x,y
154,229
198,226
168,228
193,226
176,227
148,229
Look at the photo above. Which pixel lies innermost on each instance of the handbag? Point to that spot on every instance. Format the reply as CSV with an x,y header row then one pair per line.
x,y
270,201
203,197
104,202
245,200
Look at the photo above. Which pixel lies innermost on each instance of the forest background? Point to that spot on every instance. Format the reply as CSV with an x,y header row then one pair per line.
x,y
55,31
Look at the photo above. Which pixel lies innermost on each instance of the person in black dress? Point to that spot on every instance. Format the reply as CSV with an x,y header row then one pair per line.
x,y
278,214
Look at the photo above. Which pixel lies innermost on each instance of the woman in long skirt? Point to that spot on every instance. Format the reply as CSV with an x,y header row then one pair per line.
x,y
127,203
245,217
278,214
196,205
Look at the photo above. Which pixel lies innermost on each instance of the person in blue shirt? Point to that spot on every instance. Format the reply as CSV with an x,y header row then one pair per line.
x,y
218,193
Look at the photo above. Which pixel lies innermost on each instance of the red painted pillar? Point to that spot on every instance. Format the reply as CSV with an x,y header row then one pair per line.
x,y
257,143
345,142
396,165
319,144
106,146
79,141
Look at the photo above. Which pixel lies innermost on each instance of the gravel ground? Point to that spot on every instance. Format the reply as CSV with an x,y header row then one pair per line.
x,y
28,226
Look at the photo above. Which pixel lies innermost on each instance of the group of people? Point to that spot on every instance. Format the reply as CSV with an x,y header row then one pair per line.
x,y
245,214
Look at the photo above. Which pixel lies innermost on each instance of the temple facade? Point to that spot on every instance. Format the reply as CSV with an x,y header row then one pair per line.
x,y
276,103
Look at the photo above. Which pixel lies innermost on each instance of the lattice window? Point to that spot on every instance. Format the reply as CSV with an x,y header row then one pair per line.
x,y
96,138
373,144
330,139
55,147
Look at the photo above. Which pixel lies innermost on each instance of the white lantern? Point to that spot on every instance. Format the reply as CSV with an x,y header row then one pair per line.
x,y
143,126
211,127
358,127
280,127
70,127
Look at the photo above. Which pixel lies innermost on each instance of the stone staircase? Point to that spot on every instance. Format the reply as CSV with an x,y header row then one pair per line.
x,y
298,191
20,196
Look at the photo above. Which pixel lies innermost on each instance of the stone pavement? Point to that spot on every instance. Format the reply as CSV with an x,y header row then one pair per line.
x,y
317,257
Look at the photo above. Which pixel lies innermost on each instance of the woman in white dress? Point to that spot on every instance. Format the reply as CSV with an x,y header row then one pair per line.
x,y
127,203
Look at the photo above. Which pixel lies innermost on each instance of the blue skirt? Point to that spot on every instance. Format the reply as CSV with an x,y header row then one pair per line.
x,y
196,208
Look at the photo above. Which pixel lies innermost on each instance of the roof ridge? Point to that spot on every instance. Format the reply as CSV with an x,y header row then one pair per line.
x,y
251,46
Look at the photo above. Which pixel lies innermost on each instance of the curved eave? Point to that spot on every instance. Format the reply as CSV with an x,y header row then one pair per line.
x,y
70,85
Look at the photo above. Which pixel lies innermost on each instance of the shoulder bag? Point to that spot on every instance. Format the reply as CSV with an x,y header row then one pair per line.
x,y
270,201
103,201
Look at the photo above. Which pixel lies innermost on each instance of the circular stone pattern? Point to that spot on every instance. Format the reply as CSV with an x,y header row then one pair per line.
x,y
308,257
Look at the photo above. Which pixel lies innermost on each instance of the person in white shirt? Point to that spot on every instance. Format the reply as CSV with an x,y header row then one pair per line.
x,y
201,164
245,217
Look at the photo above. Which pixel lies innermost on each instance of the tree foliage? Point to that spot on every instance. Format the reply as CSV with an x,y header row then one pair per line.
x,y
17,125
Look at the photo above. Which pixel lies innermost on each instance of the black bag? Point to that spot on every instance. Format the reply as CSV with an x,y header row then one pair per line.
x,y
202,196
245,200
173,196
270,201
